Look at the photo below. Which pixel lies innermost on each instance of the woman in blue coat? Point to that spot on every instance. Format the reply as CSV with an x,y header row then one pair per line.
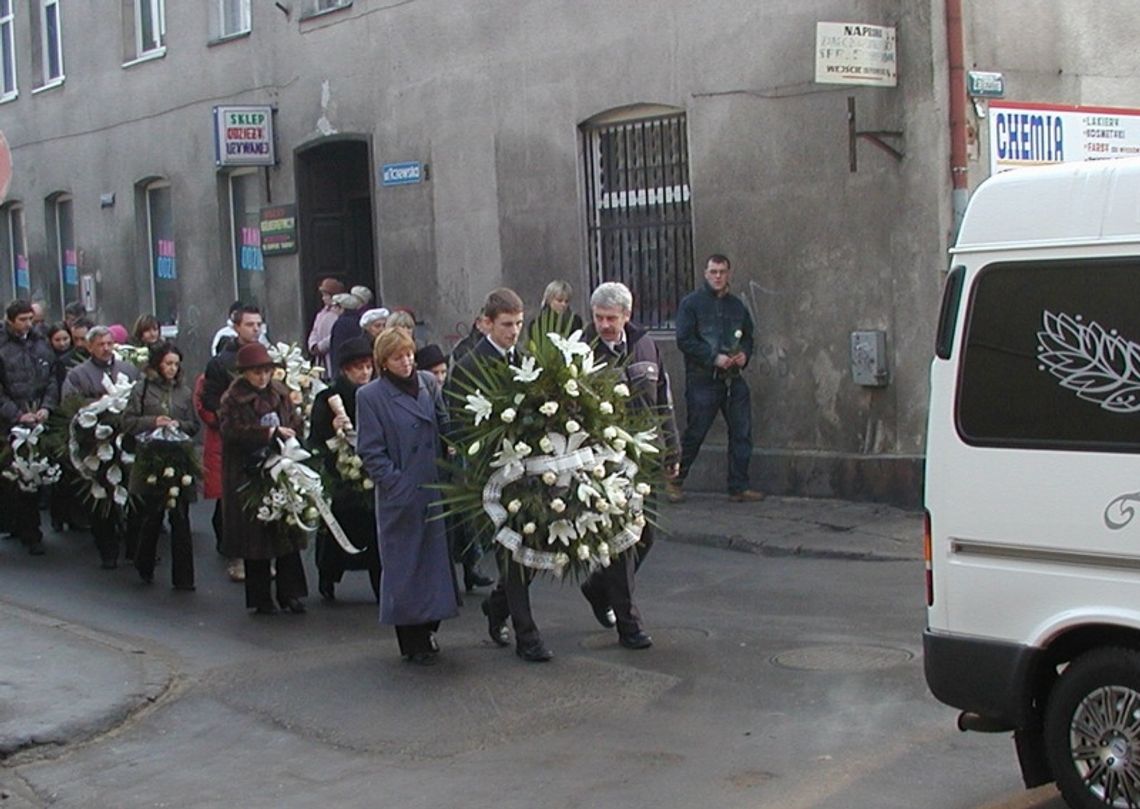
x,y
400,418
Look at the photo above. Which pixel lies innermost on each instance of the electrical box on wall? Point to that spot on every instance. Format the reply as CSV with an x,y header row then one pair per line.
x,y
869,358
87,292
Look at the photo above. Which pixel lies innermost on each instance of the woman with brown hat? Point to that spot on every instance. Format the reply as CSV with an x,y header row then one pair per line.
x,y
255,413
352,508
401,417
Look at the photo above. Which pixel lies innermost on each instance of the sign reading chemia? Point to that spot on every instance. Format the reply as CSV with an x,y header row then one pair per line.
x,y
1041,134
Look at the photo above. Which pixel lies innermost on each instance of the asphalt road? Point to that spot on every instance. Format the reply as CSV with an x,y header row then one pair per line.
x,y
773,682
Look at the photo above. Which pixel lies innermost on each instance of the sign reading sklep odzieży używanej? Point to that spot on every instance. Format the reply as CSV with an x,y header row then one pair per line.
x,y
243,136
1040,134
855,53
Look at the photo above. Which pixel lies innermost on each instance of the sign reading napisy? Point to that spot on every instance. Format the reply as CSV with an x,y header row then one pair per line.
x,y
855,53
243,136
1040,134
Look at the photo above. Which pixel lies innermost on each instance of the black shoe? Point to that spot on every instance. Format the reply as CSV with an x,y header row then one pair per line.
x,y
293,605
635,640
327,590
422,658
36,549
603,612
498,631
535,652
265,609
473,579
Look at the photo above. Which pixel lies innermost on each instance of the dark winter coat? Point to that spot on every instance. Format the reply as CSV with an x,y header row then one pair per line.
x,y
344,328
400,444
707,326
152,397
26,380
248,419
211,444
86,379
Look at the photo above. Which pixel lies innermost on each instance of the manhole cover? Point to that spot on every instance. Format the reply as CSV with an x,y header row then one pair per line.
x,y
842,658
663,637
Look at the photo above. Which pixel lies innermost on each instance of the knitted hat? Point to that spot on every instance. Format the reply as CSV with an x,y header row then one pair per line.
x,y
362,292
253,355
372,315
348,301
119,333
430,356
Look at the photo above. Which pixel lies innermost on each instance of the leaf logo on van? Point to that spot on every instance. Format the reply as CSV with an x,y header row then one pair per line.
x,y
1098,366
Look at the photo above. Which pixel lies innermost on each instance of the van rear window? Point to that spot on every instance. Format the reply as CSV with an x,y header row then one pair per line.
x,y
1052,357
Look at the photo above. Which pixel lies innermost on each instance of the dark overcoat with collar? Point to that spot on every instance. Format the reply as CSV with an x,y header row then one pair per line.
x,y
399,442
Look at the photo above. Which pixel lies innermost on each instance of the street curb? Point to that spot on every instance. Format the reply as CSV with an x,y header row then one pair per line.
x,y
157,679
744,545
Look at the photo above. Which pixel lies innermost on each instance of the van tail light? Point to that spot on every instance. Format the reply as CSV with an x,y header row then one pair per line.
x,y
928,558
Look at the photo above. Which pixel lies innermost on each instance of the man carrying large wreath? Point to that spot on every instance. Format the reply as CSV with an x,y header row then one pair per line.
x,y
626,346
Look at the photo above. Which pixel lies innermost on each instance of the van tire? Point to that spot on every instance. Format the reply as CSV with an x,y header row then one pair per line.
x,y
1112,741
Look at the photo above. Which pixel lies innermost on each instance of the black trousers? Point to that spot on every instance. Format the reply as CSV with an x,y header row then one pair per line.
x,y
24,511
415,638
511,598
613,585
359,524
181,544
105,529
290,580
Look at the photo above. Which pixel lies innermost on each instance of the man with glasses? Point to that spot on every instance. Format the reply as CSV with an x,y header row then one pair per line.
x,y
714,332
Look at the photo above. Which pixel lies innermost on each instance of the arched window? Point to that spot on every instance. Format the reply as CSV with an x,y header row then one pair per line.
x,y
161,253
61,248
638,206
14,245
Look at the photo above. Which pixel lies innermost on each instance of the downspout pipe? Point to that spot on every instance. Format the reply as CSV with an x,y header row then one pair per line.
x,y
955,52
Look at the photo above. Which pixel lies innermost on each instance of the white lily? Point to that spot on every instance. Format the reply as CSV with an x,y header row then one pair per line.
x,y
560,531
526,372
480,405
571,346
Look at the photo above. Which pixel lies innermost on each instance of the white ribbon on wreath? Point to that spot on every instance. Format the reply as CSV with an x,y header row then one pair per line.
x,y
289,464
34,471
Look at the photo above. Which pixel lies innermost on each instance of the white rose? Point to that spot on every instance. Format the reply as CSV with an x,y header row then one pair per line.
x,y
610,433
600,471
561,559
571,387
621,389
508,415
548,408
643,488
549,478
368,484
557,505
152,479
514,506
583,552
171,503
529,528
603,549
546,445
639,519
606,408
619,444
174,491
168,472
573,426
187,480
523,448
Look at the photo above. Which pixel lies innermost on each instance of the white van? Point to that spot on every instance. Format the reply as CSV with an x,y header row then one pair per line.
x,y
1033,477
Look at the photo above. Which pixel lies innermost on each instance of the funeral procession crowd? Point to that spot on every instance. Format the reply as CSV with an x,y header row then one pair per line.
x,y
544,443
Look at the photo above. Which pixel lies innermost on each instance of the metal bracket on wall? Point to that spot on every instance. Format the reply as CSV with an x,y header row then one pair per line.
x,y
875,136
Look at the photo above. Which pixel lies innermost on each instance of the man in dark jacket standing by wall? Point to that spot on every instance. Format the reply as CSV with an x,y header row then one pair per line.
x,y
27,393
622,344
714,332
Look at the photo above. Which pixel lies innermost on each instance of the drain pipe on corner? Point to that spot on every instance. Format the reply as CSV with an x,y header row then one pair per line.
x,y
955,54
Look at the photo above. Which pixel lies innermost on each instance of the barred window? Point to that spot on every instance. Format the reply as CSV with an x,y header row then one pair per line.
x,y
639,211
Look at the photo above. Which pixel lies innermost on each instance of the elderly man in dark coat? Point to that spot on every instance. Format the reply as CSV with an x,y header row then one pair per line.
x,y
401,417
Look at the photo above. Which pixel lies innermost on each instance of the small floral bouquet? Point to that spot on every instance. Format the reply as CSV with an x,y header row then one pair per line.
x,y
97,449
166,467
350,475
137,356
24,462
557,467
286,493
301,377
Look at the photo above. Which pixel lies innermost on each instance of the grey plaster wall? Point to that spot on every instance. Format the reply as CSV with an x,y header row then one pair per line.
x,y
490,95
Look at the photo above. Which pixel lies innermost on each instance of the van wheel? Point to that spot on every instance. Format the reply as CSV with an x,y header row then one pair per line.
x,y
1092,730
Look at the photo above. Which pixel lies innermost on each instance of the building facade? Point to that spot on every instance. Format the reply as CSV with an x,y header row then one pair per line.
x,y
435,149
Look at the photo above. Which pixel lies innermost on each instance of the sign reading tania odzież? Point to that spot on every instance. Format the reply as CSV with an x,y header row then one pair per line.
x,y
243,136
1038,134
278,230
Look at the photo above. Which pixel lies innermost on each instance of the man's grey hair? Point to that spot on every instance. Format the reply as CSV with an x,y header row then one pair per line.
x,y
95,332
613,295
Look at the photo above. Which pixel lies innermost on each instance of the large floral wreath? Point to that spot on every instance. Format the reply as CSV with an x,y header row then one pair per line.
x,y
98,449
554,466
301,377
24,461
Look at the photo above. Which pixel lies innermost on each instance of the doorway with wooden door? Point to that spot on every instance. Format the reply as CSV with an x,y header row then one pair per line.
x,y
334,213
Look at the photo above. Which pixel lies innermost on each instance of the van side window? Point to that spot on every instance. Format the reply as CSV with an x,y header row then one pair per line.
x,y
1052,357
948,318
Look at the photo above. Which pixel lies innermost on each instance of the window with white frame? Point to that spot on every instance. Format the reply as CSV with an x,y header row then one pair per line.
x,y
639,210
318,6
61,232
7,50
229,18
150,26
51,42
245,197
161,252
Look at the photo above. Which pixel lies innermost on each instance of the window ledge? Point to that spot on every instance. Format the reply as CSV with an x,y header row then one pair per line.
x,y
312,15
223,39
51,85
149,56
5,99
